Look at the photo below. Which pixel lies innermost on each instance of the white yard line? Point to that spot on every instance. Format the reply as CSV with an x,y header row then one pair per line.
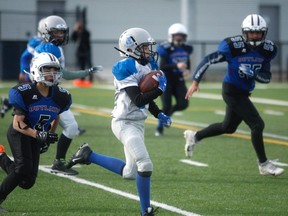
x,y
194,163
170,208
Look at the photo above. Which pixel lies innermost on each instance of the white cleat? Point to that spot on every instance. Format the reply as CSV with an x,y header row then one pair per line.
x,y
189,136
267,168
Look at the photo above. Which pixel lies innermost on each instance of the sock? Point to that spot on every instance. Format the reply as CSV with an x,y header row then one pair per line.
x,y
143,187
113,164
62,146
160,125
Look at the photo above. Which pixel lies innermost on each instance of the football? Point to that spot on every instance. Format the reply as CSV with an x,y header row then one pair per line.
x,y
149,82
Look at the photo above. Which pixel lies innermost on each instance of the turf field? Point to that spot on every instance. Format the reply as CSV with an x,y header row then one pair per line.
x,y
225,181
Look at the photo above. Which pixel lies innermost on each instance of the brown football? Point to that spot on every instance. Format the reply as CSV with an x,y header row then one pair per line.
x,y
149,82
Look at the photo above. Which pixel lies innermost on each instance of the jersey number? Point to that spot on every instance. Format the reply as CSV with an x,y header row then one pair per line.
x,y
254,67
43,119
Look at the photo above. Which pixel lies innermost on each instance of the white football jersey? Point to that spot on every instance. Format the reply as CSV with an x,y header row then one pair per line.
x,y
129,72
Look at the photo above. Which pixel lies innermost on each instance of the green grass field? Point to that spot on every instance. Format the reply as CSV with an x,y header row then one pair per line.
x,y
230,185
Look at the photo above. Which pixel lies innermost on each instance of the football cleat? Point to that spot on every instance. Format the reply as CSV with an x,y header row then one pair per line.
x,y
150,211
81,156
267,168
59,166
189,136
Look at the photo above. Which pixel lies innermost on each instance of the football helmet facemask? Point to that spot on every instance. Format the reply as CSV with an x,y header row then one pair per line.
x,y
45,60
177,29
254,23
133,42
55,30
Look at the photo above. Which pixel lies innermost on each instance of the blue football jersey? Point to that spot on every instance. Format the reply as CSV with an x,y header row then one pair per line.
x,y
237,53
174,55
39,111
28,54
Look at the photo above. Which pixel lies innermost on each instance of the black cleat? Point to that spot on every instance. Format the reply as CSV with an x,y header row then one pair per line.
x,y
150,211
81,156
59,166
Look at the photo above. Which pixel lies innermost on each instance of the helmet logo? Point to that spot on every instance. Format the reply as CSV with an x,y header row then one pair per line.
x,y
129,42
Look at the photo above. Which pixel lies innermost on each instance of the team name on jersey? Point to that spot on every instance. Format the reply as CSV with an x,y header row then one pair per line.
x,y
44,108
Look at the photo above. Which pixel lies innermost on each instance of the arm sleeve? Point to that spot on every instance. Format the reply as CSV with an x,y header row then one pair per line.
x,y
264,75
154,109
212,58
141,99
71,75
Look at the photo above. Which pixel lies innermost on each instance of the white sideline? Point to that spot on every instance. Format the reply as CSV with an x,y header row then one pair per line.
x,y
46,169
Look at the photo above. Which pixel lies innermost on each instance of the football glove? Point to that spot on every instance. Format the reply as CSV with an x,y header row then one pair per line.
x,y
165,120
162,82
46,137
95,69
44,148
247,71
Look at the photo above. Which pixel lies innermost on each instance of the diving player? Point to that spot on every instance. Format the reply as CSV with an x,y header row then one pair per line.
x,y
130,112
248,56
37,107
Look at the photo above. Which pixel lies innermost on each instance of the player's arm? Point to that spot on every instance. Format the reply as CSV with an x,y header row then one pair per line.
x,y
264,75
20,126
54,124
141,99
71,75
213,58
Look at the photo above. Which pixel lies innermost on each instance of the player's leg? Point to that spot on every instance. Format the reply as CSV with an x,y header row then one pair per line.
x,y
132,137
70,130
252,118
179,92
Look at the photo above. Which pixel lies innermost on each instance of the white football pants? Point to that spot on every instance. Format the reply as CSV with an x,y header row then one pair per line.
x,y
131,134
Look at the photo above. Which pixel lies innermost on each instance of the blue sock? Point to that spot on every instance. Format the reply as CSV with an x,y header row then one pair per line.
x,y
113,164
160,125
143,187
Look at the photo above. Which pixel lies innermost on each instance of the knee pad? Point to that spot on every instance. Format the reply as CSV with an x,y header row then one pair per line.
x,y
129,173
145,165
27,183
70,130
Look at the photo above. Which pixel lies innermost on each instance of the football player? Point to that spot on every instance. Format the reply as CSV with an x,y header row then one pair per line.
x,y
175,63
56,35
36,114
130,112
248,57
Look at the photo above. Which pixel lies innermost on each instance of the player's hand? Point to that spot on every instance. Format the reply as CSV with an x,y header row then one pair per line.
x,y
193,88
244,69
162,82
165,120
95,69
46,137
44,148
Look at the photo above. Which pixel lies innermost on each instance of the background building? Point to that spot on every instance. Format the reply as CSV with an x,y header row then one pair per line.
x,y
208,22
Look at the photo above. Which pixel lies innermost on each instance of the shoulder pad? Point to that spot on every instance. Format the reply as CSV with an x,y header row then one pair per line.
x,y
166,45
123,69
50,48
268,49
237,45
62,97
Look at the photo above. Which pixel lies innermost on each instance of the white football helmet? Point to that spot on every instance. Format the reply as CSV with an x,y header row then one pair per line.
x,y
40,28
254,23
54,24
37,73
177,28
131,42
